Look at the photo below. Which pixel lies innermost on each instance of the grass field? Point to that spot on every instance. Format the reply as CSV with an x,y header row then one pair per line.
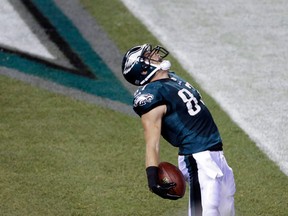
x,y
59,156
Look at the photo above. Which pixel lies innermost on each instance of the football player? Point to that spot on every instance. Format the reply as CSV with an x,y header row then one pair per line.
x,y
171,107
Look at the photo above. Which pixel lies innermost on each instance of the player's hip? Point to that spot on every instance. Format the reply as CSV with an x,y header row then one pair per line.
x,y
210,163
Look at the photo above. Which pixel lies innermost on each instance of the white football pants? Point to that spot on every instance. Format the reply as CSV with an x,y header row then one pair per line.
x,y
211,183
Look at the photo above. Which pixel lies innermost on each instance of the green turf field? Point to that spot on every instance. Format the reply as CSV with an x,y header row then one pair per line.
x,y
60,156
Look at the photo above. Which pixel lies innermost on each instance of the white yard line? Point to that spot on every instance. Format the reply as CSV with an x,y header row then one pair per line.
x,y
238,52
16,34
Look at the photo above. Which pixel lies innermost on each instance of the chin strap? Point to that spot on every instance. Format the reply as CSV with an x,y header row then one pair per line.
x,y
165,65
150,75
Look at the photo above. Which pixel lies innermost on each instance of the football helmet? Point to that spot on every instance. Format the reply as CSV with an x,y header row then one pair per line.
x,y
137,66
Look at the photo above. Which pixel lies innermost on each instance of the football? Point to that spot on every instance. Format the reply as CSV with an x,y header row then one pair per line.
x,y
170,173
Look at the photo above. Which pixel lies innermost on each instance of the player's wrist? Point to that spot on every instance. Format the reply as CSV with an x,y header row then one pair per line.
x,y
152,176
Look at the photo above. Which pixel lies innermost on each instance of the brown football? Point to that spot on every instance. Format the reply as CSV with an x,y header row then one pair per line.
x,y
170,173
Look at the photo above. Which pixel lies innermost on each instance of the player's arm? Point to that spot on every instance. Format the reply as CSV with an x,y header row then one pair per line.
x,y
152,122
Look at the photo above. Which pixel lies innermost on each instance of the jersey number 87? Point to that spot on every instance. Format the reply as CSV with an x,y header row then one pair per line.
x,y
190,101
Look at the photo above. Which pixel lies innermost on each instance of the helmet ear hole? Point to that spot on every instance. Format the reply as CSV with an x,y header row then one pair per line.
x,y
145,66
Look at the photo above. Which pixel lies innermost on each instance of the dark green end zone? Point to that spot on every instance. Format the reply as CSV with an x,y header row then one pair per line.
x,y
104,85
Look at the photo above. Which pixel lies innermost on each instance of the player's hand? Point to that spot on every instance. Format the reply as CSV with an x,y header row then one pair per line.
x,y
161,190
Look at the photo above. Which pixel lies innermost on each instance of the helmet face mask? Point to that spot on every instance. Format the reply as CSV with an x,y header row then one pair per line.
x,y
139,64
148,53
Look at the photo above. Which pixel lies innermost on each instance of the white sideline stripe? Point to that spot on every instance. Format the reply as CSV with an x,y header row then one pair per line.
x,y
15,33
238,53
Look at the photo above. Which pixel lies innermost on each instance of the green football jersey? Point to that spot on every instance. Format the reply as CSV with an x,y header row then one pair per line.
x,y
187,124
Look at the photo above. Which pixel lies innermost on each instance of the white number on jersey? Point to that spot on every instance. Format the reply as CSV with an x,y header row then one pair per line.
x,y
190,101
